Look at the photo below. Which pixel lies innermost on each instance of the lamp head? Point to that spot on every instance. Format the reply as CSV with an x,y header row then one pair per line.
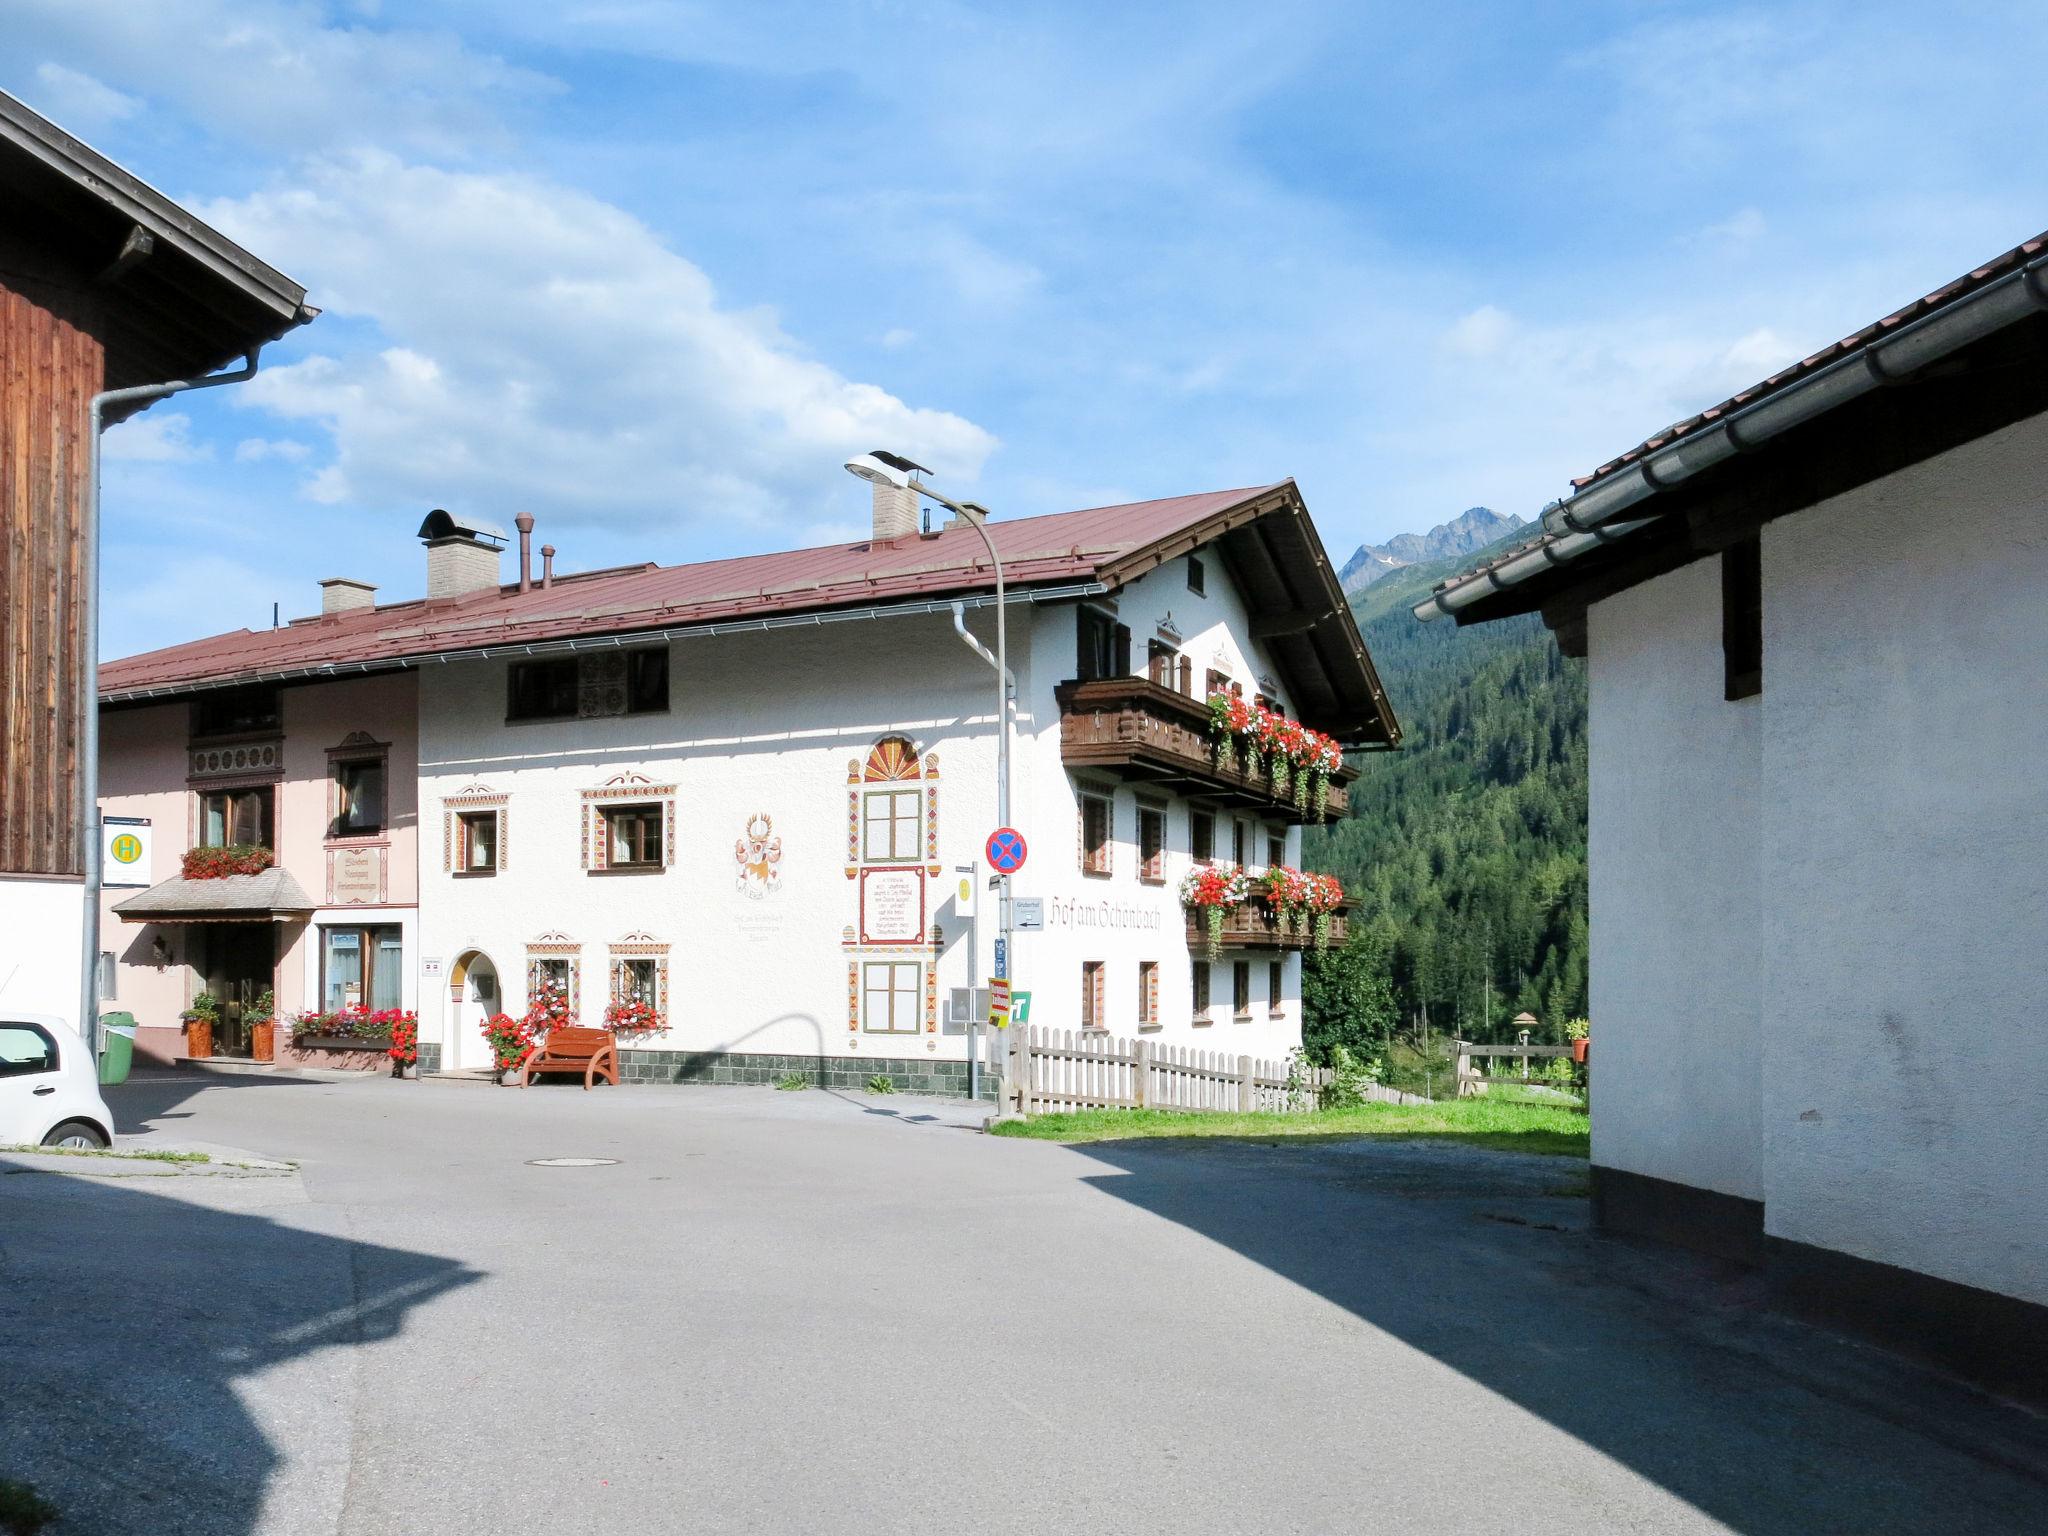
x,y
872,468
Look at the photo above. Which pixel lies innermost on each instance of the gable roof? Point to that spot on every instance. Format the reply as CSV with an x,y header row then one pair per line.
x,y
1956,326
178,298
1264,536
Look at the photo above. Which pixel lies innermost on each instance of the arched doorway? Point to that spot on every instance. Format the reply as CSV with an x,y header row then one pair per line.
x,y
473,996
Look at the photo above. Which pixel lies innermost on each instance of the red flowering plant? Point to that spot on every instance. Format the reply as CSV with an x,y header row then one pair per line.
x,y
511,1040
1300,759
219,863
548,1008
1325,896
629,1016
1229,718
405,1043
355,1022
1213,890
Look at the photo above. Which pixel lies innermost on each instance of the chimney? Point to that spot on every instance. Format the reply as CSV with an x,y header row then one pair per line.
x,y
547,566
338,594
895,513
524,523
462,554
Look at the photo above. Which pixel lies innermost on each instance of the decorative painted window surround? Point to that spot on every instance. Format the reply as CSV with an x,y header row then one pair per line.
x,y
883,840
473,799
623,790
357,747
555,951
645,949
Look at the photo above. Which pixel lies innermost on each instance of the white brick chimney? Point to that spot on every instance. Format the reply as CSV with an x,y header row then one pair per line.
x,y
338,594
895,512
462,554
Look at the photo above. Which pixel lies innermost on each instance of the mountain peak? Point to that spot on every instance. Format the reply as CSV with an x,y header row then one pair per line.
x,y
1474,528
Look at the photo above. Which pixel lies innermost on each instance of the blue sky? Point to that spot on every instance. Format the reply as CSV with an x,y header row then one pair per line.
x,y
651,270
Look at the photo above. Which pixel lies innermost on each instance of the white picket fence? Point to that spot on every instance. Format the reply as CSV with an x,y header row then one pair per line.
x,y
1046,1071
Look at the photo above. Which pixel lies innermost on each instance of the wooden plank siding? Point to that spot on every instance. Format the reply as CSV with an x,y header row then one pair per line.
x,y
51,365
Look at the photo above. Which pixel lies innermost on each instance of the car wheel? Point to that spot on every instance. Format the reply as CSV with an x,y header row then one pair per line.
x,y
81,1135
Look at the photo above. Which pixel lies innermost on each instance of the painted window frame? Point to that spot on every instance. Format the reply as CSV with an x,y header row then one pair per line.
x,y
1097,860
1152,866
476,800
1240,989
627,792
892,991
1094,995
1200,1003
1148,994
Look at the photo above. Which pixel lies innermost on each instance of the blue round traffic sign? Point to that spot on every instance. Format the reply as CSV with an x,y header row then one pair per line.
x,y
1006,850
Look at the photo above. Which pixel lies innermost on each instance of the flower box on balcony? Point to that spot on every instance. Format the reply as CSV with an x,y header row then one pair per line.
x,y
1147,733
1257,926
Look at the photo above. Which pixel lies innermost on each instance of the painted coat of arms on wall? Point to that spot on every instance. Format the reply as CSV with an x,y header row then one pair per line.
x,y
759,856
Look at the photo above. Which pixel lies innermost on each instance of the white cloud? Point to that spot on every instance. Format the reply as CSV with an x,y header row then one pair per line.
x,y
254,450
897,336
154,438
272,73
74,97
556,356
1481,333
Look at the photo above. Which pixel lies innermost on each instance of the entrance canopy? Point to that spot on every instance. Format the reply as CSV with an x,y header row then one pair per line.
x,y
271,897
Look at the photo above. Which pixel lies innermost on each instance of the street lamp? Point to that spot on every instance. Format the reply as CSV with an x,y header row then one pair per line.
x,y
884,468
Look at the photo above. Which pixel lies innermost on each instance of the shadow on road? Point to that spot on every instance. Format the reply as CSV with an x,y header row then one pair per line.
x,y
137,1320
1667,1364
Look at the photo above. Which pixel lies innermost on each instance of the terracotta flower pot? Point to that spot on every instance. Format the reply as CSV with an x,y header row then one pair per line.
x,y
263,1040
198,1039
1579,1051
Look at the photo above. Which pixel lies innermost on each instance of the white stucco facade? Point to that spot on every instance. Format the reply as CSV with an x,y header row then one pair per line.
x,y
767,737
1819,915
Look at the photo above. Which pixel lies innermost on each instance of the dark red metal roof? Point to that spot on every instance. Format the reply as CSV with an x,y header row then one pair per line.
x,y
1992,270
1061,548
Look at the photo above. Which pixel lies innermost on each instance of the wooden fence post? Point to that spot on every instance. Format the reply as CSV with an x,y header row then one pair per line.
x,y
1141,1073
1247,1094
1016,1070
1464,1066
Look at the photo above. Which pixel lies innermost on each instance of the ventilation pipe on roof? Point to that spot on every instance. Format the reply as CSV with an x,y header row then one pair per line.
x,y
524,523
547,566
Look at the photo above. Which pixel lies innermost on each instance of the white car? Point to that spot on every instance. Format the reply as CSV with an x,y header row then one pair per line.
x,y
49,1089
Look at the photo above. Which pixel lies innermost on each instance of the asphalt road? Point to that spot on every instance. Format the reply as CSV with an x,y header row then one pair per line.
x,y
813,1312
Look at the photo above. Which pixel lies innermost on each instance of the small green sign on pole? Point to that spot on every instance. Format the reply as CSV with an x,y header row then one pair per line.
x,y
1020,1007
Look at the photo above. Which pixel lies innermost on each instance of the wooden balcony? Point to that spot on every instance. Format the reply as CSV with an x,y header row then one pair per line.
x,y
1148,734
1256,926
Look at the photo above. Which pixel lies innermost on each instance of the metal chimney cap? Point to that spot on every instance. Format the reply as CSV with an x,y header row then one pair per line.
x,y
443,524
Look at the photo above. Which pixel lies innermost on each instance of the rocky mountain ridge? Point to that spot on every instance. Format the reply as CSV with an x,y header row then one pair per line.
x,y
1473,529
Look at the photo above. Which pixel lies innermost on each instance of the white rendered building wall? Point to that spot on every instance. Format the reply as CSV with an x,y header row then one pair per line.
x,y
1905,852
1673,843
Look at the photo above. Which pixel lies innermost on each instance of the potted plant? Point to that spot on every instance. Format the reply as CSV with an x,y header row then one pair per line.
x,y
1214,890
628,1016
1580,1033
511,1041
200,1017
263,1026
405,1044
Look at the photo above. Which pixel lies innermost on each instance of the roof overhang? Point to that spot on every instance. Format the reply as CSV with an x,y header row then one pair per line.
x,y
271,897
1271,549
179,298
1968,360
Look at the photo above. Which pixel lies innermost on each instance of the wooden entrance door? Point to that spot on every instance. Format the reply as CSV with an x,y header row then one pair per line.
x,y
241,966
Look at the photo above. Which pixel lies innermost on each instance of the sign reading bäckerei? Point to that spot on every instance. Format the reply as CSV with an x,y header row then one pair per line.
x,y
1066,913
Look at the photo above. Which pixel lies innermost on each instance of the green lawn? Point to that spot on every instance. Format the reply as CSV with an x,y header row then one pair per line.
x,y
1547,1128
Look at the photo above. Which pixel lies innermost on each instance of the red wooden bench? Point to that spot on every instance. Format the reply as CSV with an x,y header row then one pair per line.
x,y
593,1052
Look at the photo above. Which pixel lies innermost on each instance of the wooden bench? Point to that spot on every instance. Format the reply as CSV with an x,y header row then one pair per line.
x,y
593,1052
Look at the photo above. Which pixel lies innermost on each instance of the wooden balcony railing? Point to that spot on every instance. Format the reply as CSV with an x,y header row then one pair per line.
x,y
1143,732
1256,926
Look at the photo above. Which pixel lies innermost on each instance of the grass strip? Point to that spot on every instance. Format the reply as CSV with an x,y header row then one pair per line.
x,y
137,1157
1553,1130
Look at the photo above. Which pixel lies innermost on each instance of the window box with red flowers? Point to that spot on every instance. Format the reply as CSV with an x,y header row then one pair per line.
x,y
353,1029
1296,758
1211,891
630,1016
219,863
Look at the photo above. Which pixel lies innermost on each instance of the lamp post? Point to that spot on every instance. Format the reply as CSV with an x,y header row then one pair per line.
x,y
884,468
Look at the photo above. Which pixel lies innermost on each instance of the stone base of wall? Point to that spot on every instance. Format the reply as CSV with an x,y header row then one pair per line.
x,y
941,1079
430,1055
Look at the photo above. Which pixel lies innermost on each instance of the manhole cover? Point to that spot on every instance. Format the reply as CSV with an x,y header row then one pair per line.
x,y
571,1162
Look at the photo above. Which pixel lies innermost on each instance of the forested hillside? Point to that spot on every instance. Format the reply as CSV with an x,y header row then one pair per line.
x,y
1466,850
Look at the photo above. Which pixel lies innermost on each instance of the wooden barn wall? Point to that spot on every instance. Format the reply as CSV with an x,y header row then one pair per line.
x,y
51,364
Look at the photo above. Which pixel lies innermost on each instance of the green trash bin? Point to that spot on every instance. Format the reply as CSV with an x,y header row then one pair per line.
x,y
117,1047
